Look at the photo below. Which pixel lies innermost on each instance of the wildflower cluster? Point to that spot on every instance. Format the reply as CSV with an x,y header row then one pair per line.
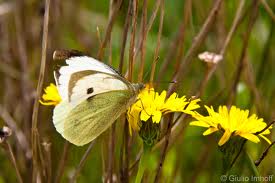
x,y
151,104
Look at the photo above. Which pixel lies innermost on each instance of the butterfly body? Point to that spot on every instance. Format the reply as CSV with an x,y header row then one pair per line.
x,y
93,96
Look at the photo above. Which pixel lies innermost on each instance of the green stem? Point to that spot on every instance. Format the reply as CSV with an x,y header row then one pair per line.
x,y
142,163
251,165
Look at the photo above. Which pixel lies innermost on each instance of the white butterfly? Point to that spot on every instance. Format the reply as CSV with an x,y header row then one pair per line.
x,y
93,96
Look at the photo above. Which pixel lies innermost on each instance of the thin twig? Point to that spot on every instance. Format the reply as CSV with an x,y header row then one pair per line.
x,y
21,43
149,25
109,30
132,41
20,136
125,168
112,134
133,165
12,158
258,162
24,66
240,66
234,26
165,148
176,48
130,77
43,163
121,162
82,162
239,17
112,137
238,154
124,36
9,85
156,54
143,41
268,126
47,150
179,54
200,37
265,61
62,162
251,83
39,90
121,63
268,9
203,159
148,28
8,70
98,36
211,70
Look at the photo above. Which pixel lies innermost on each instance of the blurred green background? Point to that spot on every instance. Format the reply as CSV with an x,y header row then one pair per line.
x,y
73,25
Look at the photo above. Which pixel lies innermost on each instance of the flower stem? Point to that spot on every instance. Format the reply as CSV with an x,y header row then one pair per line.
x,y
142,163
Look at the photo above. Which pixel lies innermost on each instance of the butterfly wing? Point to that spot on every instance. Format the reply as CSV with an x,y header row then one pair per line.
x,y
90,118
93,96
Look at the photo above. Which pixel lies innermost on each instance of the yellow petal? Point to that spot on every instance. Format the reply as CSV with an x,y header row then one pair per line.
x,y
266,139
133,119
199,123
250,137
209,131
48,103
225,137
51,96
156,116
193,105
144,116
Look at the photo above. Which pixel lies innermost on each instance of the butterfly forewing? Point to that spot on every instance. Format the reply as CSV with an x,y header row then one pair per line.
x,y
63,75
93,83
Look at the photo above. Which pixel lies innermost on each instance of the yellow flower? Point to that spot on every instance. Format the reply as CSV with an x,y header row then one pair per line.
x,y
151,104
51,96
233,122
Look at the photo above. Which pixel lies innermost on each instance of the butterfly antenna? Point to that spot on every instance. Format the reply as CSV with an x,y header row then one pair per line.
x,y
164,82
148,71
143,107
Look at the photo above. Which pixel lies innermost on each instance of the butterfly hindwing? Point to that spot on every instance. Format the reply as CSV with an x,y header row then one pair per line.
x,y
91,117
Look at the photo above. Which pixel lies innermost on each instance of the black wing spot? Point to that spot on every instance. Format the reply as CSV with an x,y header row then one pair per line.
x,y
90,90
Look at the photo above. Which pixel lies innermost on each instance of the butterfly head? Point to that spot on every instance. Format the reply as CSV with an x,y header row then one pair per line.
x,y
138,87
